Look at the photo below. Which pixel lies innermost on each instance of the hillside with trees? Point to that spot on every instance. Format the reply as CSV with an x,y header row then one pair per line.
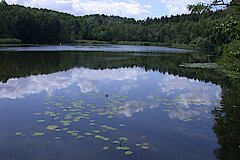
x,y
212,30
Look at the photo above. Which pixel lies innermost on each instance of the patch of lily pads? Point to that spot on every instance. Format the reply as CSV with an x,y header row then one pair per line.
x,y
201,65
52,127
19,134
68,115
38,134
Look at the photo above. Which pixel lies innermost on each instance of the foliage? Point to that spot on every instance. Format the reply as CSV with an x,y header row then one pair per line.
x,y
9,41
231,56
203,43
208,29
33,25
198,8
226,32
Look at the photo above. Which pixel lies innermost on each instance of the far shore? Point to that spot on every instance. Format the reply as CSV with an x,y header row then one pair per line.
x,y
16,42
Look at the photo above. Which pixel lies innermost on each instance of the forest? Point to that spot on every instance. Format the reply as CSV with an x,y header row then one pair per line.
x,y
217,31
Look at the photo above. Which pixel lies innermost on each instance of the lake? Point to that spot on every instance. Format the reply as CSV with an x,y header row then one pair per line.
x,y
108,102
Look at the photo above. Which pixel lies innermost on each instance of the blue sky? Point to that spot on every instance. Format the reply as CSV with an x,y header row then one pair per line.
x,y
139,9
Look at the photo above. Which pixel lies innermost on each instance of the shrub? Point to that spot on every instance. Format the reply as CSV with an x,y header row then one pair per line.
x,y
202,43
231,56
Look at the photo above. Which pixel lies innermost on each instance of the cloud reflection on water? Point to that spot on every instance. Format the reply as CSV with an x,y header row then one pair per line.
x,y
182,92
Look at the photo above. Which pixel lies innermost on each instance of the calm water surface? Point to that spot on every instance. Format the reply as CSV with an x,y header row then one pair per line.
x,y
106,105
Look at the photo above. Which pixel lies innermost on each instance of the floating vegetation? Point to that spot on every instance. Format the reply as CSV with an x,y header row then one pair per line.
x,y
106,139
101,137
77,103
128,153
74,134
102,113
108,128
38,134
52,127
123,139
96,131
37,113
138,145
98,137
40,121
105,148
122,148
19,133
201,65
57,130
78,137
88,134
66,122
144,146
109,117
72,114
116,142
49,113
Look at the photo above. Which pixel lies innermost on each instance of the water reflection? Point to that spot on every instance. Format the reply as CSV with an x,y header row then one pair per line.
x,y
86,79
152,83
184,98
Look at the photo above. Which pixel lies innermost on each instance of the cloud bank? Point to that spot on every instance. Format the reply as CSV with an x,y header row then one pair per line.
x,y
127,8
85,79
180,6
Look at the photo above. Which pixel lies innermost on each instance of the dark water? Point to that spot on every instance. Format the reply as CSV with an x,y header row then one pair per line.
x,y
95,98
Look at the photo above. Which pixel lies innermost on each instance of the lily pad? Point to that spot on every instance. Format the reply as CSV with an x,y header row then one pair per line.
x,y
106,139
19,133
78,137
66,122
109,117
40,121
123,138
128,152
98,137
38,113
96,131
116,142
105,148
122,148
108,128
145,147
88,134
138,145
58,130
52,127
74,134
37,134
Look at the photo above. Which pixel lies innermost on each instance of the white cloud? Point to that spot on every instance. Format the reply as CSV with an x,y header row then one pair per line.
x,y
180,6
182,114
131,107
183,87
86,79
123,8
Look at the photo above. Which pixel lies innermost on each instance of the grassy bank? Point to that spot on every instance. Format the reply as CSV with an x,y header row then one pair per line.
x,y
138,43
10,41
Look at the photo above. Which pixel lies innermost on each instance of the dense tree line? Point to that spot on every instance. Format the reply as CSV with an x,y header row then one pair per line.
x,y
33,25
204,29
